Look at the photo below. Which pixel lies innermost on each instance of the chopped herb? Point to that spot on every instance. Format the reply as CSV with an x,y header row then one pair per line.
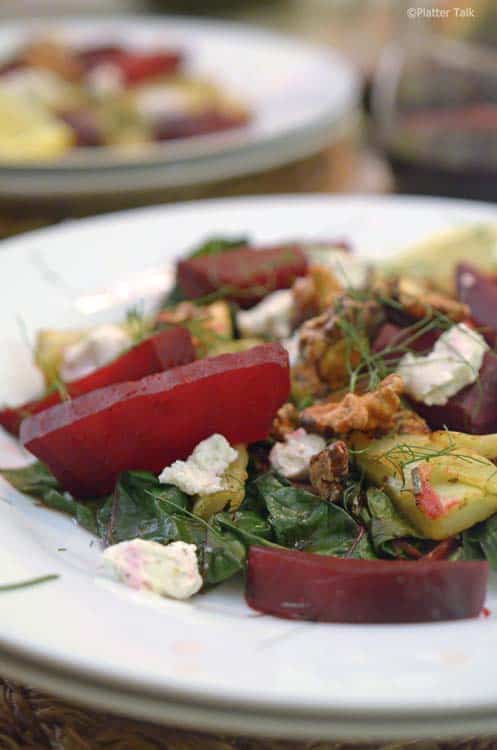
x,y
30,582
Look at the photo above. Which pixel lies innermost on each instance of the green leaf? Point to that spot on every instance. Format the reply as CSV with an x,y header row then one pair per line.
x,y
385,522
65,502
480,542
301,520
221,554
253,523
34,479
38,481
218,245
142,507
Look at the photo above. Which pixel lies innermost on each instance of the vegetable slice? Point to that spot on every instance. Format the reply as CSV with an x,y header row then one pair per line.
x,y
479,291
473,409
150,423
166,349
245,275
304,586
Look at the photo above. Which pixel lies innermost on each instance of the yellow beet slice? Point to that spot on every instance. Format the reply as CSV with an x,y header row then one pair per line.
x,y
441,485
234,479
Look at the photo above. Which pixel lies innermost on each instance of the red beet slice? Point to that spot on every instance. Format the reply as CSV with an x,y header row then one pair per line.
x,y
303,586
138,67
187,126
150,423
479,291
394,336
100,54
473,409
159,352
245,275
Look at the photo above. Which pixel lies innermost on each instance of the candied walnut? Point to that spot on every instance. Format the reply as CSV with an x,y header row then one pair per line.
x,y
314,293
370,412
328,469
407,422
285,421
305,382
53,56
327,341
419,300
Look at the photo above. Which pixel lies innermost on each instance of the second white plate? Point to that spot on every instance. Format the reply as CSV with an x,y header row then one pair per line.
x,y
300,97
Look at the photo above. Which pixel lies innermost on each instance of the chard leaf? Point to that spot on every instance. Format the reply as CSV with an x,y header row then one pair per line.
x,y
65,502
253,523
221,554
142,507
480,542
301,520
218,245
38,481
35,479
385,522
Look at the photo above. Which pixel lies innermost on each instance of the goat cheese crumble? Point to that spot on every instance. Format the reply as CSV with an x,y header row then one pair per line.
x,y
270,318
202,473
168,570
291,459
98,348
453,363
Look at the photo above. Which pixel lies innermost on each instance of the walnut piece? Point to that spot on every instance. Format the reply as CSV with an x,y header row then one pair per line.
x,y
314,293
370,412
285,421
328,469
324,345
407,422
419,300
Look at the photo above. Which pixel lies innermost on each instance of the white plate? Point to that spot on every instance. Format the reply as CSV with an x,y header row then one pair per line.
x,y
300,97
211,662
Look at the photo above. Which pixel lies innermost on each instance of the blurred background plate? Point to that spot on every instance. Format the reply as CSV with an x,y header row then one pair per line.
x,y
300,96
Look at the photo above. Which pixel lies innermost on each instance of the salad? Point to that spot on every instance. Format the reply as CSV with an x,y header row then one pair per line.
x,y
55,97
324,425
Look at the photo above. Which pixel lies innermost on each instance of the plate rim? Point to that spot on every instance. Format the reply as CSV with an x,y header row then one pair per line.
x,y
108,158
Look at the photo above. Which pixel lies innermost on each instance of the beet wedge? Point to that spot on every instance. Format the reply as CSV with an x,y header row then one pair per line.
x,y
150,423
245,275
473,409
165,349
303,586
479,291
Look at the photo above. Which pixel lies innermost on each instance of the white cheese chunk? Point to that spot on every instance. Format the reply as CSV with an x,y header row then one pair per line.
x,y
98,348
291,459
105,79
155,102
454,363
350,271
202,473
292,345
271,318
168,570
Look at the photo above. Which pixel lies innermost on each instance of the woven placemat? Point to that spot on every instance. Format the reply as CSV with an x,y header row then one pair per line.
x,y
30,720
